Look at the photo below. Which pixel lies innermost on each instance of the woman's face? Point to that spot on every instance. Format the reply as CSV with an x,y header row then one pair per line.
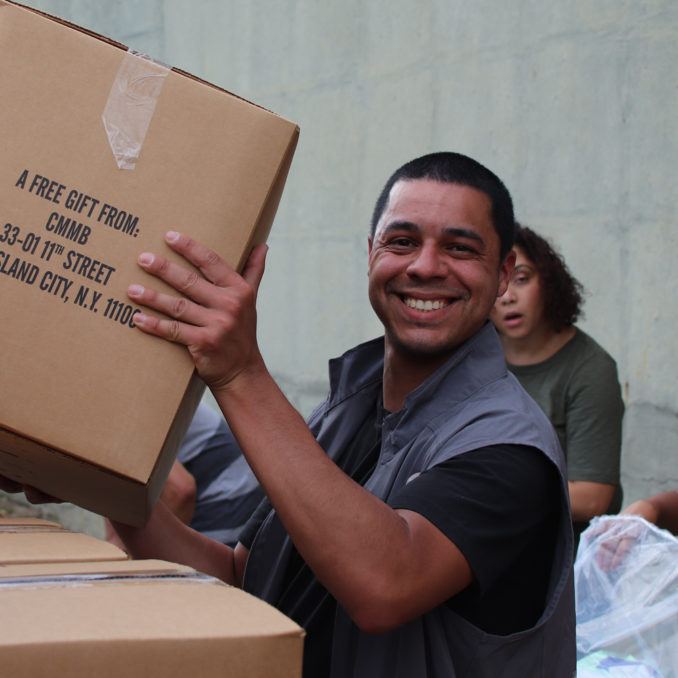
x,y
520,311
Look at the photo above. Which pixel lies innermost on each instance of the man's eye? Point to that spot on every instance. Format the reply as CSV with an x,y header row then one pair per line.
x,y
401,242
461,248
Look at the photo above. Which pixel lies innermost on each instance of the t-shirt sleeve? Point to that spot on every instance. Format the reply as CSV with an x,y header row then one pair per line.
x,y
493,503
593,427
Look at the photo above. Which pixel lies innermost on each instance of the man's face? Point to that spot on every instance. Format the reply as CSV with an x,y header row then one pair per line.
x,y
434,269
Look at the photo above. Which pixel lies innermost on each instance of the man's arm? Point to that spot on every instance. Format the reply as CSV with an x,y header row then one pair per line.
x,y
384,566
178,495
164,536
179,492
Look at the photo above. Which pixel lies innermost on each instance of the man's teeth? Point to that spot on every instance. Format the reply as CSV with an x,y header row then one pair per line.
x,y
427,305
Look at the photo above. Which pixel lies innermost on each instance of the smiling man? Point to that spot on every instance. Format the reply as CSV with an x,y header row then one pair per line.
x,y
435,270
418,525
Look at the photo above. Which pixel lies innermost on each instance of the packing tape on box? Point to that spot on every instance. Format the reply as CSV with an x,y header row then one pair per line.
x,y
131,104
69,580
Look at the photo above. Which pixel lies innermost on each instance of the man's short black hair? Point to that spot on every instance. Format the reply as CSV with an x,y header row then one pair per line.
x,y
455,168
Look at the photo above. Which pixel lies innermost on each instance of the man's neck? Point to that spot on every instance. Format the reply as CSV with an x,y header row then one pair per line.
x,y
403,373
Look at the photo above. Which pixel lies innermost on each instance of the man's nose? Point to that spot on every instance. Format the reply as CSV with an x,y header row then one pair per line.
x,y
429,262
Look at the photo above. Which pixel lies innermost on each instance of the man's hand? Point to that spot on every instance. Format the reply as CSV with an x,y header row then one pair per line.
x,y
214,315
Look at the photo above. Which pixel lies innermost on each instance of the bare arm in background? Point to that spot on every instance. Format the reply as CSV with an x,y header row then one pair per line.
x,y
179,493
589,499
661,509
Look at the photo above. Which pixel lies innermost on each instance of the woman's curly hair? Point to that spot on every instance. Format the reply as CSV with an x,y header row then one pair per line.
x,y
562,292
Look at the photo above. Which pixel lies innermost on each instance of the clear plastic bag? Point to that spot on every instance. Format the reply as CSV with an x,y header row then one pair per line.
x,y
626,595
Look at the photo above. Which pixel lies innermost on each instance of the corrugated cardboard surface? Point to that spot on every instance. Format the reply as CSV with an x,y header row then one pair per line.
x,y
113,567
38,523
145,627
39,541
79,382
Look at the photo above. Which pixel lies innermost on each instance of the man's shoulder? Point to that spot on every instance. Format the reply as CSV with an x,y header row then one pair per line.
x,y
500,412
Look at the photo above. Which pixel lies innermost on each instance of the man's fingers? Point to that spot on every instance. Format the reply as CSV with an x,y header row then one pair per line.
x,y
172,330
189,283
208,305
254,268
207,261
178,308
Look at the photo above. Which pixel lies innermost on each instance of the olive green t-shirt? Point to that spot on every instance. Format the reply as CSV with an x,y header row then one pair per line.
x,y
579,391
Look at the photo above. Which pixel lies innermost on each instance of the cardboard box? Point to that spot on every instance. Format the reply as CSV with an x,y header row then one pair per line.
x,y
39,541
93,410
140,619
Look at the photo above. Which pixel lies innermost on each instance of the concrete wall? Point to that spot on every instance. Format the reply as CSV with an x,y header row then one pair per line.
x,y
571,103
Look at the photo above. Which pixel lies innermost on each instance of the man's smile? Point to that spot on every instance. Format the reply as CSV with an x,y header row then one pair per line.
x,y
426,304
427,301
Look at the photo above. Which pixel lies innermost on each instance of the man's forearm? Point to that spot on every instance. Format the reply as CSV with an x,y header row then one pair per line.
x,y
167,538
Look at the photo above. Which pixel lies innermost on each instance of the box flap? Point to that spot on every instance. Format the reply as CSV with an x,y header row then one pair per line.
x,y
54,546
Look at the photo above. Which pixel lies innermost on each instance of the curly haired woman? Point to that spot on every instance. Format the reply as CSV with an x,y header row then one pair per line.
x,y
570,376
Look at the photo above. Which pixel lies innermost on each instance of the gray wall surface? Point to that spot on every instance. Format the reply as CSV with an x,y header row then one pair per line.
x,y
572,103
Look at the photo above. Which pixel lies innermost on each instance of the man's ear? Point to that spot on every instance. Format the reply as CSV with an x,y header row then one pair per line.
x,y
505,272
369,245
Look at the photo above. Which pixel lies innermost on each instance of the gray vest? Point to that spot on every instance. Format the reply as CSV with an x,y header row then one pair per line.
x,y
470,402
